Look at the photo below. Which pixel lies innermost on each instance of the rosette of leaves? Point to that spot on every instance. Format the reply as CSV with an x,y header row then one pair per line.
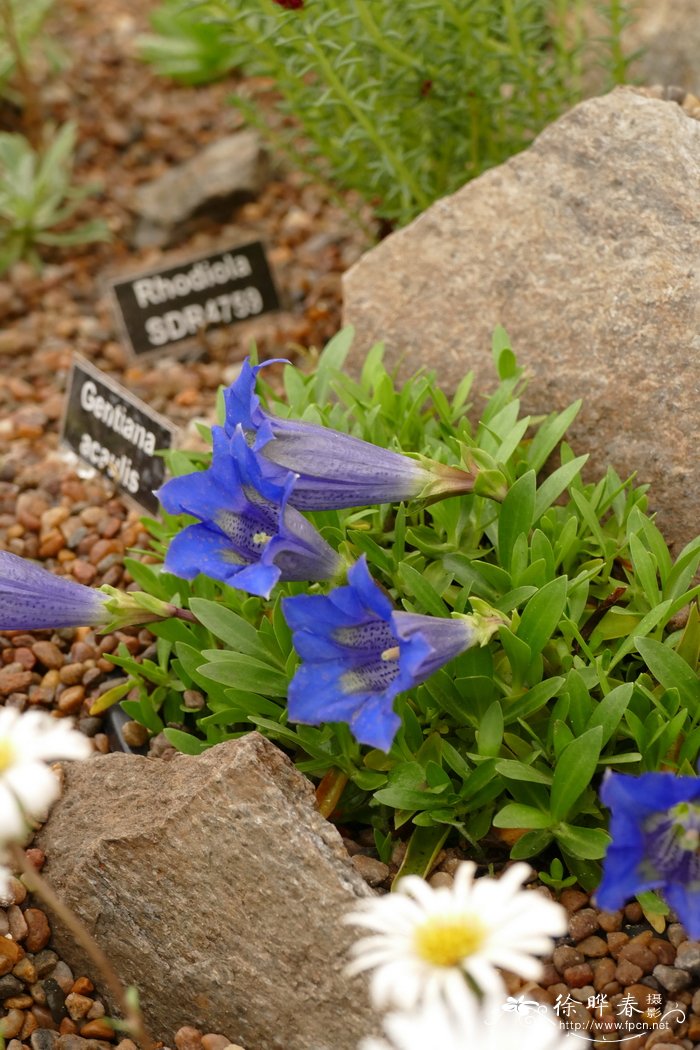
x,y
38,200
504,748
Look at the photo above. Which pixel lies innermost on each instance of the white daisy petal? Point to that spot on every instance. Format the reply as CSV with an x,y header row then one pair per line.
x,y
34,786
13,826
466,1027
424,942
27,786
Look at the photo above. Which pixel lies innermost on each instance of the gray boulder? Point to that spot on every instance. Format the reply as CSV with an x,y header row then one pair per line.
x,y
586,247
217,889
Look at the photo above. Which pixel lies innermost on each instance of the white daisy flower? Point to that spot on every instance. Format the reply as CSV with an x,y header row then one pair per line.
x,y
434,1025
27,785
427,940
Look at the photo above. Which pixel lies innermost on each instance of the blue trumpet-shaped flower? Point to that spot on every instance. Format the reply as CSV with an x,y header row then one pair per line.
x,y
655,829
32,598
335,470
358,653
247,534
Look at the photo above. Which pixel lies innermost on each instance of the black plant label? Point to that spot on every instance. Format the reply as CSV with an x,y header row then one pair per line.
x,y
116,433
169,308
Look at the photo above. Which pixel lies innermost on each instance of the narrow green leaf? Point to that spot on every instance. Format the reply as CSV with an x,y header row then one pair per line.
x,y
671,671
423,849
584,843
243,672
574,771
516,516
184,742
228,626
542,614
515,815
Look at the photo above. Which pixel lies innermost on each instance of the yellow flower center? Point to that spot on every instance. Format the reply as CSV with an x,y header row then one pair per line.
x,y
261,538
8,755
447,940
391,654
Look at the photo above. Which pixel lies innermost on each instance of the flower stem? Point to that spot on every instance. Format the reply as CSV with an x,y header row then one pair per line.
x,y
36,883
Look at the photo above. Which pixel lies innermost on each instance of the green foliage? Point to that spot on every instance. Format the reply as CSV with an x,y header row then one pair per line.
x,y
36,196
27,17
187,47
403,102
595,670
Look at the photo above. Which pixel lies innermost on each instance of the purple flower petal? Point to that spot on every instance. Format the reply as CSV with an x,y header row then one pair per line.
x,y
358,653
247,534
31,598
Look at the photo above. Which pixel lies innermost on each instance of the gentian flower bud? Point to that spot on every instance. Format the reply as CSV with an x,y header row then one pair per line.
x,y
32,598
336,470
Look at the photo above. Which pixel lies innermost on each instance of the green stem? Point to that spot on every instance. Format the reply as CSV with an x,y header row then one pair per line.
x,y
37,884
31,112
381,144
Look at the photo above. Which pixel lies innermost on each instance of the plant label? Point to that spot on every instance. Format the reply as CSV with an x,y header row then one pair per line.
x,y
166,308
115,433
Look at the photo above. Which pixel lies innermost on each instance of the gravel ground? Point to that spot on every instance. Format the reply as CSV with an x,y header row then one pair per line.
x,y
132,128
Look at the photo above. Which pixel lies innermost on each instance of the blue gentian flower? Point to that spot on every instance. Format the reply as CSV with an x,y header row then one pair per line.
x,y
655,829
32,598
247,534
358,653
335,470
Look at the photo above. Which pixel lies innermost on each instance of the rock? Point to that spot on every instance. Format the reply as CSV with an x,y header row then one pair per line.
x,y
227,172
39,931
585,248
217,889
372,871
44,1039
688,957
671,978
9,986
583,923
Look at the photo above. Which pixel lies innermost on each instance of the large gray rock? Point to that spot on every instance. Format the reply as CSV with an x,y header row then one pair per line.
x,y
227,172
214,886
586,247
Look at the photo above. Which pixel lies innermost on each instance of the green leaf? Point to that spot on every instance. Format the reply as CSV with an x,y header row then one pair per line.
x,y
550,434
516,516
532,843
184,742
243,672
533,700
609,712
584,843
423,849
513,770
228,626
671,670
490,732
417,585
515,815
542,614
574,771
553,486
645,566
